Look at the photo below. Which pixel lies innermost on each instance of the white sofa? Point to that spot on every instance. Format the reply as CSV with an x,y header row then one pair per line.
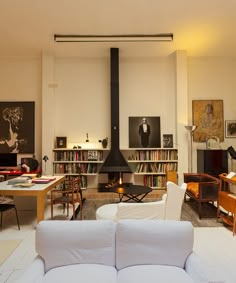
x,y
103,251
168,208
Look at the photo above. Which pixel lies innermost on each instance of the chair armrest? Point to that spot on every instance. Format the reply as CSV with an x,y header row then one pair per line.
x,y
200,272
33,272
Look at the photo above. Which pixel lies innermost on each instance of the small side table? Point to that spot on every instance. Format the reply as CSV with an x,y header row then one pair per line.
x,y
131,192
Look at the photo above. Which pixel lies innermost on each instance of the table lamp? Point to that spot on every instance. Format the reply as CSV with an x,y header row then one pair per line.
x,y
45,158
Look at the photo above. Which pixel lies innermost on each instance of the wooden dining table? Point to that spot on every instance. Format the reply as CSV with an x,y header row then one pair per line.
x,y
38,190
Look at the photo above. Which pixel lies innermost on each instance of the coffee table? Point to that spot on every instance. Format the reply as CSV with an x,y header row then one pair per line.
x,y
131,192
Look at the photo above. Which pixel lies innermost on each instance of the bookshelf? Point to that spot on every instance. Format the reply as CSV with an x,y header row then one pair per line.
x,y
78,162
150,165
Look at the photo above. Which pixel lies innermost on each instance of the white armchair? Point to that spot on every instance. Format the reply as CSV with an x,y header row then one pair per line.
x,y
169,207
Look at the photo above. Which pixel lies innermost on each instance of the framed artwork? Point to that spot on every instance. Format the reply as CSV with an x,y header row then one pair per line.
x,y
17,121
61,142
167,141
144,132
230,128
208,116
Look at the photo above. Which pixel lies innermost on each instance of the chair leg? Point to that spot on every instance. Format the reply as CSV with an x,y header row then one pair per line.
x,y
1,219
80,210
51,210
17,219
200,209
73,217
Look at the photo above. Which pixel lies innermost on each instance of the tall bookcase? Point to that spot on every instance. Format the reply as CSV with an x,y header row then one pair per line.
x,y
78,162
150,166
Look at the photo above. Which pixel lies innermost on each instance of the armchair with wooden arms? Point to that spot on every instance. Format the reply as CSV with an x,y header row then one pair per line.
x,y
70,195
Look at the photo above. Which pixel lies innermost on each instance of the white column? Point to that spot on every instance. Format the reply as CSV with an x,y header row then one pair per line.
x,y
48,120
182,105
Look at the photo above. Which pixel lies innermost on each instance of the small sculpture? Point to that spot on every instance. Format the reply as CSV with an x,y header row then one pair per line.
x,y
87,138
105,143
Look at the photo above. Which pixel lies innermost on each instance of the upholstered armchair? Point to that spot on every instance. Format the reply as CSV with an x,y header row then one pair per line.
x,y
169,207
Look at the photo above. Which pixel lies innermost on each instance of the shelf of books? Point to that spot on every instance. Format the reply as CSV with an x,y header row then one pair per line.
x,y
152,164
77,162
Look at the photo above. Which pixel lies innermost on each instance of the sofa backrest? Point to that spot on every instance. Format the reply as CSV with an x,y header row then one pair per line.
x,y
71,242
163,242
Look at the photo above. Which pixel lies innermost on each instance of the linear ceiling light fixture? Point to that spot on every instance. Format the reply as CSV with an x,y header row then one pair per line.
x,y
114,38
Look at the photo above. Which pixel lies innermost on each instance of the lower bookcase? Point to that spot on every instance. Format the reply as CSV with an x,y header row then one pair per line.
x,y
150,166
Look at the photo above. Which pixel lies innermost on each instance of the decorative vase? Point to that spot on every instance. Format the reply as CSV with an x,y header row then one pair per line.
x,y
104,142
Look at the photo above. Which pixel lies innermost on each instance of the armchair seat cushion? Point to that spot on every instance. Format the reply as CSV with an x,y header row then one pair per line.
x,y
88,273
107,212
193,187
156,273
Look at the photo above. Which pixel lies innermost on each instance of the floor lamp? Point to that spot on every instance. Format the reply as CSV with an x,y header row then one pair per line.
x,y
191,129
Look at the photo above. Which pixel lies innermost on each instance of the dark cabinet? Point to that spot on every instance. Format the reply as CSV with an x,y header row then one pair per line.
x,y
212,161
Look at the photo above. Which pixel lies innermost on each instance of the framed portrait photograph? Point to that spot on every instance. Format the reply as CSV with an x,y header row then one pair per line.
x,y
144,132
61,142
17,120
167,141
230,128
208,116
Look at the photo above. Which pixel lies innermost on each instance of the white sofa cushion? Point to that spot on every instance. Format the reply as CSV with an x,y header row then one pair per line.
x,y
88,273
107,212
76,242
153,274
145,210
165,242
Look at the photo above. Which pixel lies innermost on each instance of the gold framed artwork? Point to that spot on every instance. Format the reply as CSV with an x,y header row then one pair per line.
x,y
208,116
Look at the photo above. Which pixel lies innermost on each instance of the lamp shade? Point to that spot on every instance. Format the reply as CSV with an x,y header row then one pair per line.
x,y
191,128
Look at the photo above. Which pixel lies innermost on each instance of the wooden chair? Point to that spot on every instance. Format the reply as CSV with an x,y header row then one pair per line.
x,y
68,196
7,206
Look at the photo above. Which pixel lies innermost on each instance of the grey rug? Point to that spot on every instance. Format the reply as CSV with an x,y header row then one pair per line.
x,y
189,212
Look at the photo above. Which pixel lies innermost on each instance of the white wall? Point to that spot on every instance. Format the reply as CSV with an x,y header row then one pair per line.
x,y
80,100
213,78
20,80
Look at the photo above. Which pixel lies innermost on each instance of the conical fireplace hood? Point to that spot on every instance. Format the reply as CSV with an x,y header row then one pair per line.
x,y
115,162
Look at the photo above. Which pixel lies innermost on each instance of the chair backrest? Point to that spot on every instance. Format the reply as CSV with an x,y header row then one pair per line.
x,y
76,188
174,201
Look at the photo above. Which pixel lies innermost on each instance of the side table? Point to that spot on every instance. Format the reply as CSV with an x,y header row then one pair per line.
x,y
227,201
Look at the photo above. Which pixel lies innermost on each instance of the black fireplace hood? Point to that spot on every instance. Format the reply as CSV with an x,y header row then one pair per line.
x,y
115,162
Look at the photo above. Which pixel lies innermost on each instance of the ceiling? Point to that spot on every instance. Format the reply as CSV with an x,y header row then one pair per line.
x,y
202,28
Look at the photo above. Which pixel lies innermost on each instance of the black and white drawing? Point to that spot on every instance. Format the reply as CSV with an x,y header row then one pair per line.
x,y
17,127
167,141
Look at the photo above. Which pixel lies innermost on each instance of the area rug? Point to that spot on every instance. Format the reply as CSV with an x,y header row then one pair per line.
x,y
189,212
7,247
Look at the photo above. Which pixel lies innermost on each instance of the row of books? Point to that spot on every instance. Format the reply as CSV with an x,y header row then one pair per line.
x,y
154,155
156,167
78,155
75,168
154,181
